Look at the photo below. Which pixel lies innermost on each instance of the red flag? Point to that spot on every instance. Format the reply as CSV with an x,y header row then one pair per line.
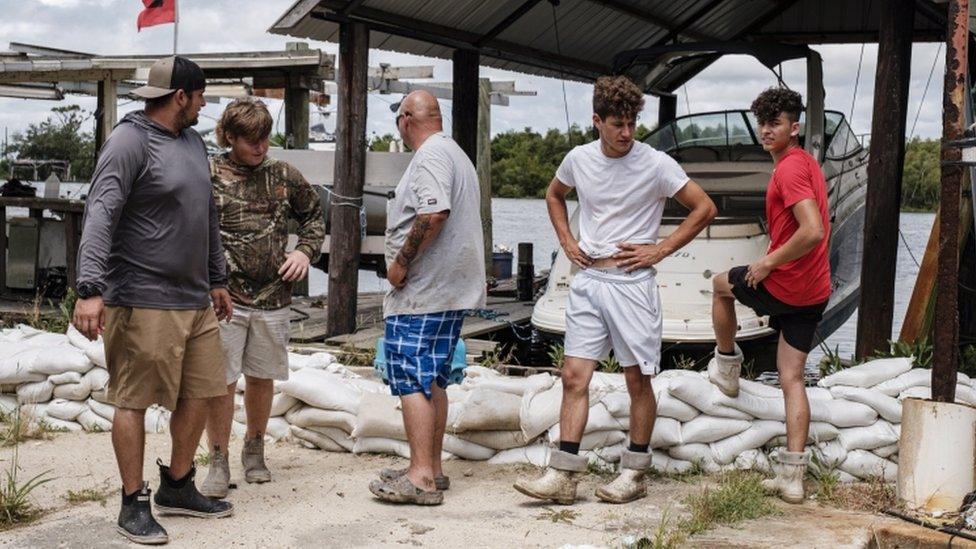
x,y
157,12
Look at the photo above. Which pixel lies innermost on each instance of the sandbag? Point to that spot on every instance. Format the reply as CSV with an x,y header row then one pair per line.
x,y
827,454
96,354
376,445
868,438
93,423
467,450
277,429
317,440
96,379
865,465
842,413
618,404
281,403
536,454
539,410
666,433
669,406
106,411
67,410
18,367
72,391
868,374
697,453
752,460
710,429
703,395
598,419
487,410
725,451
324,390
887,407
379,416
916,377
605,456
319,361
663,463
61,359
35,393
67,377
338,436
308,417
889,451
55,424
8,404
964,394
597,439
32,414
506,384
819,432
78,340
157,419
496,440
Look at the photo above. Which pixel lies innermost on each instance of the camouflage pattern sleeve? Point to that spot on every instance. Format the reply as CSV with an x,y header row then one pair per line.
x,y
307,210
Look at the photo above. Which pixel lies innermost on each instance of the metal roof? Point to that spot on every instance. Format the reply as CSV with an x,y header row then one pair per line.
x,y
521,35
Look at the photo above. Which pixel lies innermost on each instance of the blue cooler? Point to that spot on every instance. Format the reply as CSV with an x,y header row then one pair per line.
x,y
458,362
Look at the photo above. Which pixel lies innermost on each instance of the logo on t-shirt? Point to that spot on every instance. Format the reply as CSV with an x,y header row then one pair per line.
x,y
431,201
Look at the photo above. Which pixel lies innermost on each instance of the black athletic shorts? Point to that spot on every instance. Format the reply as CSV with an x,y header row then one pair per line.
x,y
798,324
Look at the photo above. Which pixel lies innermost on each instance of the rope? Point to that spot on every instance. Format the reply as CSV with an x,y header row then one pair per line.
x,y
559,51
494,316
351,202
926,90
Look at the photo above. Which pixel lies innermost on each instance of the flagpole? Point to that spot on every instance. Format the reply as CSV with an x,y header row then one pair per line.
x,y
176,23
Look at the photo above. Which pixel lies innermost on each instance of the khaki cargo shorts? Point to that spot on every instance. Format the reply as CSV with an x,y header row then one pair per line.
x,y
157,356
255,342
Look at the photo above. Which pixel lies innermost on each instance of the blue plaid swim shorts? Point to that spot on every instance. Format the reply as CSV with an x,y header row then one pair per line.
x,y
419,350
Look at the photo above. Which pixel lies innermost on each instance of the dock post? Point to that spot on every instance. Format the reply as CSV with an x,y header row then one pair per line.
x,y
885,167
946,351
526,273
296,106
484,166
106,111
667,109
350,174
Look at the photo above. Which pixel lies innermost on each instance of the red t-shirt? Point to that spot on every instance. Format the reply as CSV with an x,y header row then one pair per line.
x,y
803,281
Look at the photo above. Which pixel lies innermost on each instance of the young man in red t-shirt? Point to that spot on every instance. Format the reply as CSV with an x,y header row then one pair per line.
x,y
790,284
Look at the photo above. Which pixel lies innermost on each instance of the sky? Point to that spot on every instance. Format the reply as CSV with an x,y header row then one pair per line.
x,y
108,27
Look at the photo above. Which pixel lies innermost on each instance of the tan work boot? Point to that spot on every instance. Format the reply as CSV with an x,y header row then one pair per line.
x,y
790,468
252,457
558,482
629,484
217,483
724,370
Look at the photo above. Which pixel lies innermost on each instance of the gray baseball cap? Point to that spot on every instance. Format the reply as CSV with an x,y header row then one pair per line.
x,y
170,74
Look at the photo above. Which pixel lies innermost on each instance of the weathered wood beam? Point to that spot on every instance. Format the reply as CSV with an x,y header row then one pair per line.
x,y
350,175
483,165
507,22
464,106
352,6
885,168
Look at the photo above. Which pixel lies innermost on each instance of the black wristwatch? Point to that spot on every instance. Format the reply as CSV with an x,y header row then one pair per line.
x,y
87,289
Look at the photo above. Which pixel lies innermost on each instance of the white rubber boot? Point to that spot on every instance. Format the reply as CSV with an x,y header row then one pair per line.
x,y
629,484
724,371
790,469
558,482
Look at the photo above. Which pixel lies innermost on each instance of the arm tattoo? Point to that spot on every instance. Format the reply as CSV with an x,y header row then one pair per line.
x,y
418,233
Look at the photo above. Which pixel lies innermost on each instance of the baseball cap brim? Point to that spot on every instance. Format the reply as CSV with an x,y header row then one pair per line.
x,y
151,92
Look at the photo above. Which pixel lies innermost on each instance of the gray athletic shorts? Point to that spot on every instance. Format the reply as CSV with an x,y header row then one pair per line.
x,y
255,342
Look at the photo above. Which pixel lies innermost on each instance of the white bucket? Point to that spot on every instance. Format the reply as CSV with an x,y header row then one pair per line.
x,y
936,455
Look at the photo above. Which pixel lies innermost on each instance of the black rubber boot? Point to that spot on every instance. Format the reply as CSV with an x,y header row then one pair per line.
x,y
181,497
136,521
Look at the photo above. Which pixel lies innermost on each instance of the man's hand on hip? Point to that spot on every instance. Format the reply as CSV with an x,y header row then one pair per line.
x,y
396,275
223,306
576,255
295,266
89,317
639,256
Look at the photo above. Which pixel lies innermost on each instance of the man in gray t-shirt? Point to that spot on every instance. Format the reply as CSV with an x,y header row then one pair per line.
x,y
434,256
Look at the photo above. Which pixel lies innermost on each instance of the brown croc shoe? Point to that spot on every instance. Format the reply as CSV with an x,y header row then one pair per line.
x,y
441,482
401,490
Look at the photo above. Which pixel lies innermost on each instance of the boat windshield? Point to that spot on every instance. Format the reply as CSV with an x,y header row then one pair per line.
x,y
732,136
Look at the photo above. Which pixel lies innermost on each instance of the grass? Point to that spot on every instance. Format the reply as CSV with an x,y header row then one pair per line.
x,y
557,355
58,323
873,496
203,458
566,516
99,495
683,362
15,505
831,363
610,365
17,427
350,355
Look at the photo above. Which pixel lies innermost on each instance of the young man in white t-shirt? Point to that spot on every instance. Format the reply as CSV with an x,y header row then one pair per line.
x,y
622,186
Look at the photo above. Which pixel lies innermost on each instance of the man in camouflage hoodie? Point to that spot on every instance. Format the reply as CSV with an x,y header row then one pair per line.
x,y
256,197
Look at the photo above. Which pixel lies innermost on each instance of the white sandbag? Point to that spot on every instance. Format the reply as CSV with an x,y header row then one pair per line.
x,y
725,451
539,410
709,429
93,423
703,395
61,359
379,416
669,406
18,367
868,374
239,430
487,410
846,478
106,411
240,415
506,384
663,463
759,389
597,439
842,413
818,393
598,419
67,410
32,413
698,454
281,403
916,377
496,440
618,404
277,429
865,465
666,433
605,456
890,451
96,379
338,436
101,396
868,438
964,394
322,360
317,440
78,340
887,407
55,424
376,445
35,393
308,417
829,454
72,391
603,383
67,377
157,419
467,450
536,454
752,460
819,432
8,404
96,354
323,390
42,339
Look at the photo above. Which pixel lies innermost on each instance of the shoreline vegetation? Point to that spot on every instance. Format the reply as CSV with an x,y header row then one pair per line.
x,y
522,161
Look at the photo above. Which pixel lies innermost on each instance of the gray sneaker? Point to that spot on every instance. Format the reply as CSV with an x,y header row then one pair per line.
x,y
217,483
252,457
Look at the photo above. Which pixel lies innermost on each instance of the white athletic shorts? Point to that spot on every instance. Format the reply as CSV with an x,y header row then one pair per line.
x,y
613,309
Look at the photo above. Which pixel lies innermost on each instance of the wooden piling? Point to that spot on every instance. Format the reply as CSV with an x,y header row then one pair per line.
x,y
350,174
464,105
885,167
483,166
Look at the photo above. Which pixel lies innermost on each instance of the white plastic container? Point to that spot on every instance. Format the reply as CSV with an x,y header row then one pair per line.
x,y
936,455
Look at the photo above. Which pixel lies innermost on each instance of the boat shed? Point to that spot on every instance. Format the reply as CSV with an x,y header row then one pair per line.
x,y
578,39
